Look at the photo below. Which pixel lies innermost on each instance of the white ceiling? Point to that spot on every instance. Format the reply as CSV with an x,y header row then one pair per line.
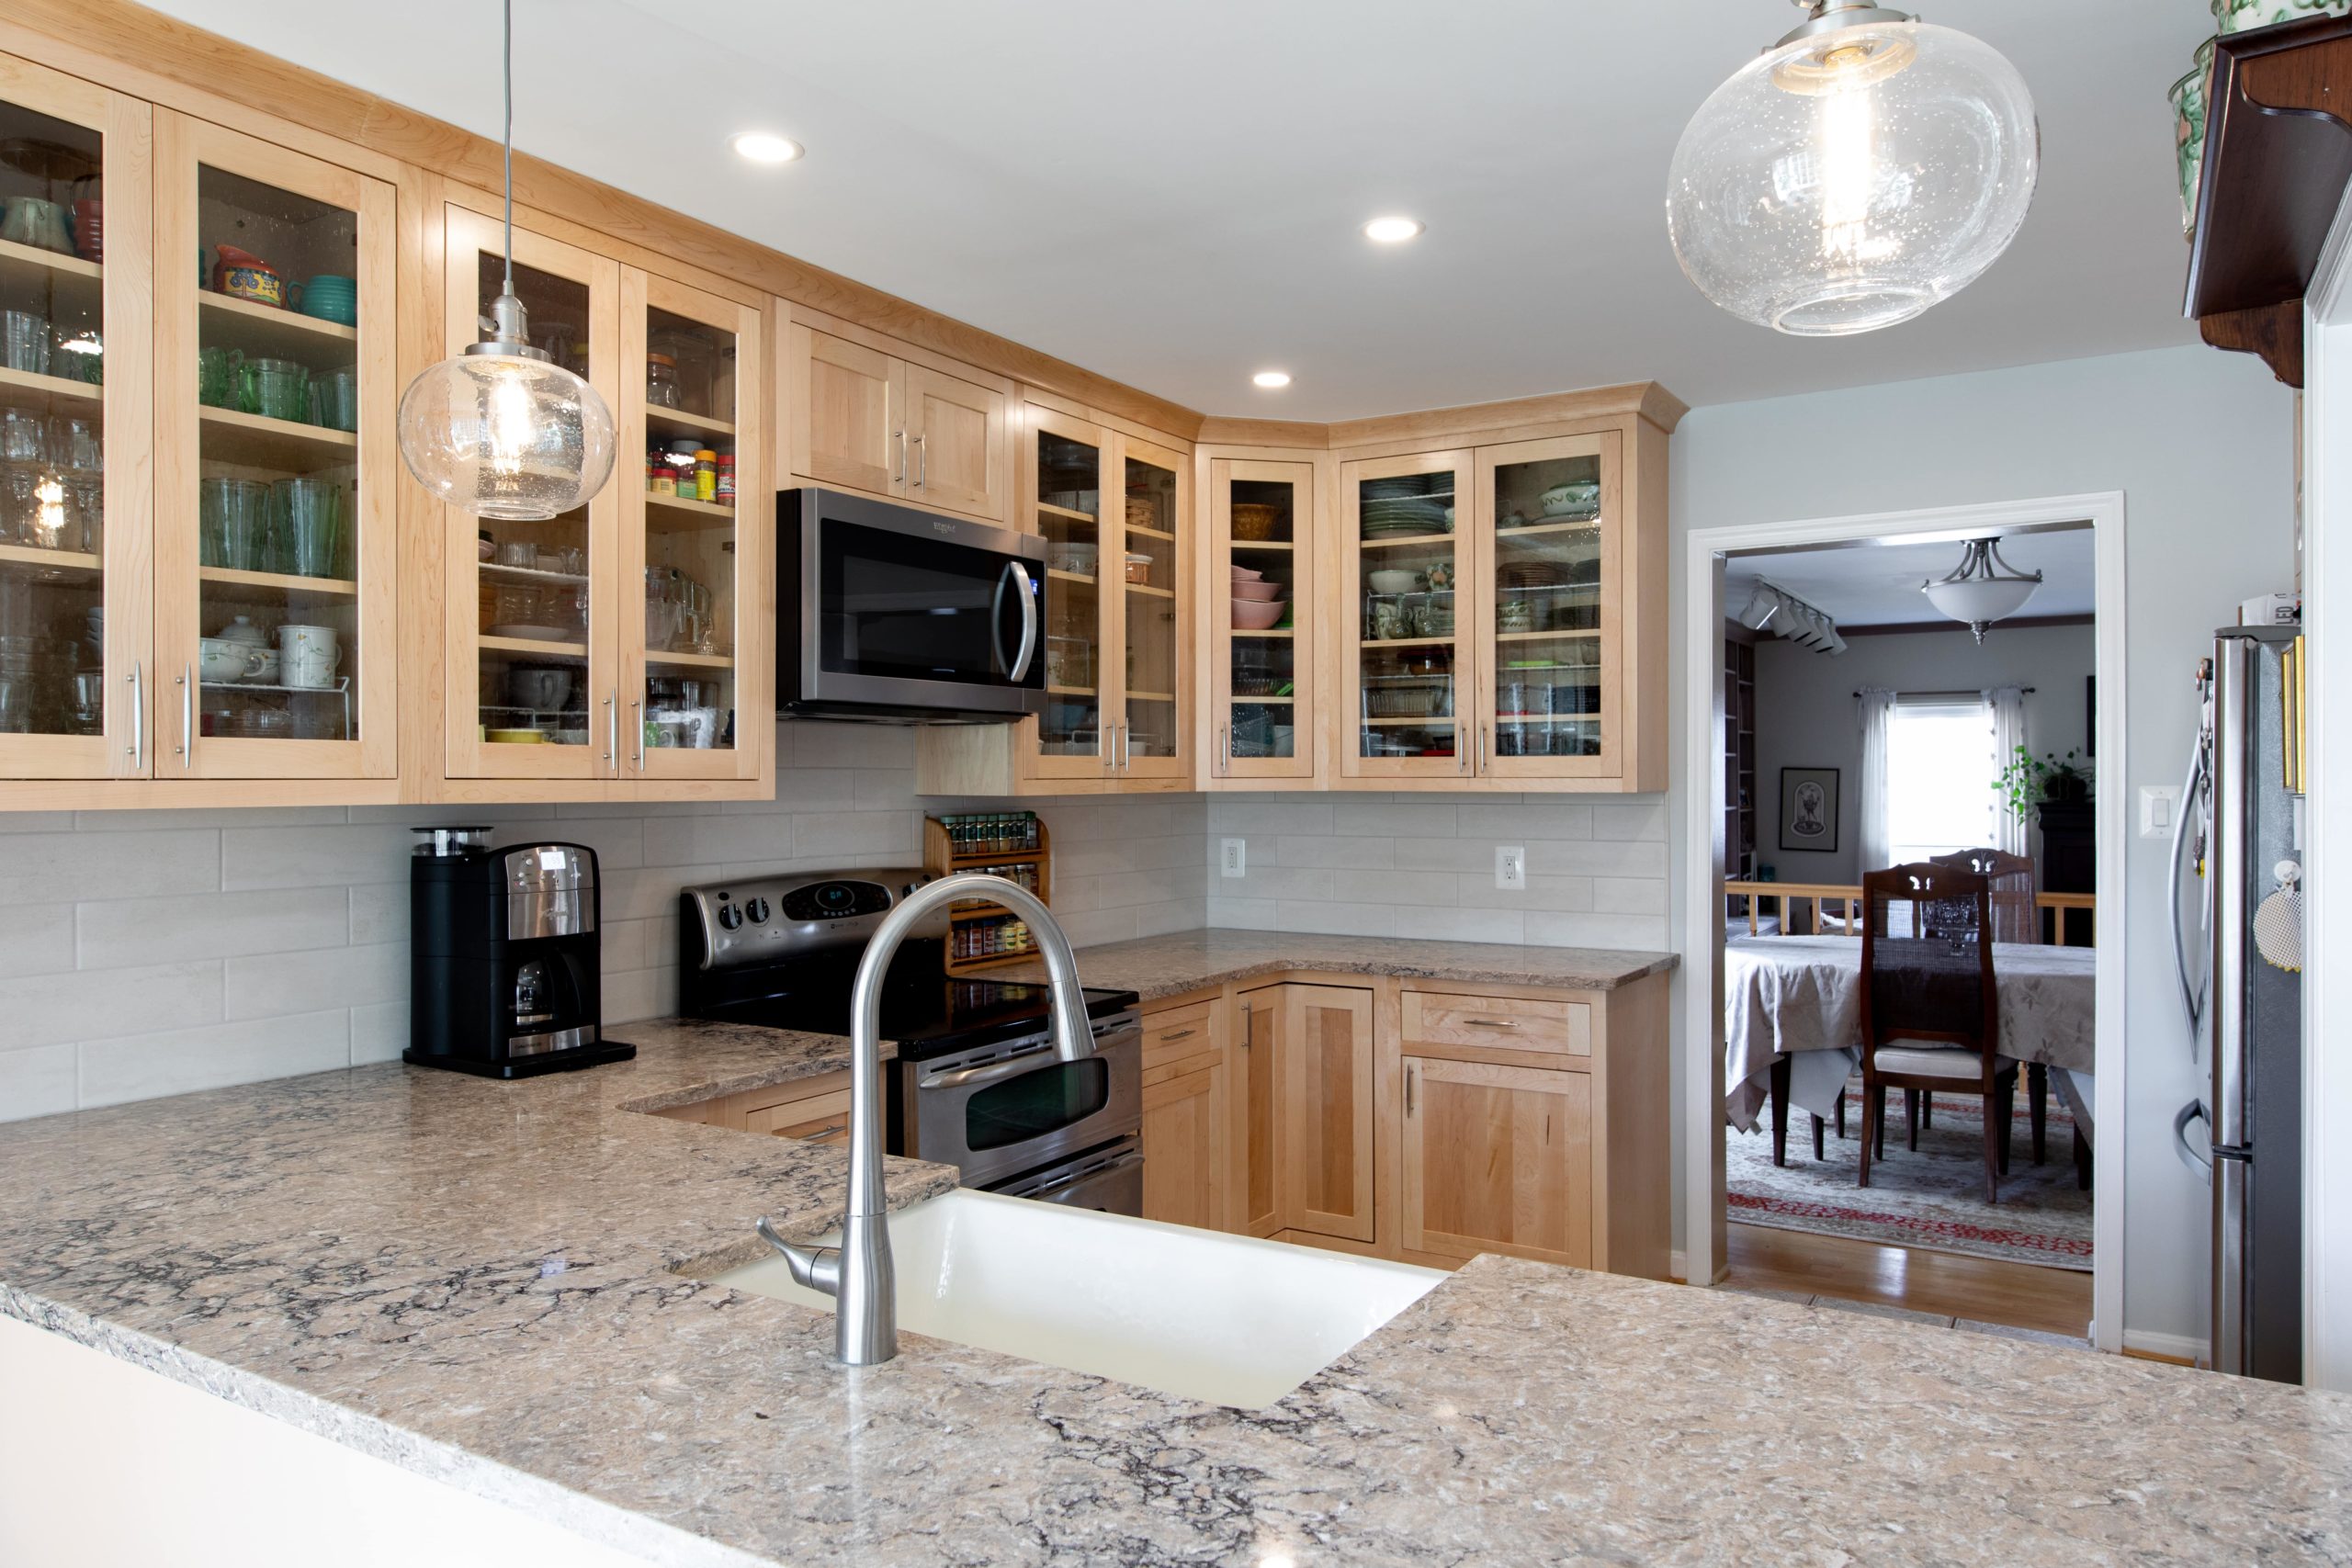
x,y
1170,194
1873,585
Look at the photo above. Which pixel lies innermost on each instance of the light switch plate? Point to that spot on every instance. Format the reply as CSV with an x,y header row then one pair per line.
x,y
1510,867
1233,857
2158,805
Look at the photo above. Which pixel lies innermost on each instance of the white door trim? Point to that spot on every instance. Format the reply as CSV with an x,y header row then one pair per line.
x,y
1701,1111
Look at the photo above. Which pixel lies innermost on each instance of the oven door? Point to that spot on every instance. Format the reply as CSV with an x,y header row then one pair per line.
x,y
898,610
1108,1180
1011,1114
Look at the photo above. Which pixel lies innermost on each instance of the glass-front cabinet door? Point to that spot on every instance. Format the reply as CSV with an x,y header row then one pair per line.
x,y
533,660
1154,546
1261,627
276,601
686,486
1409,677
1063,495
78,692
1550,567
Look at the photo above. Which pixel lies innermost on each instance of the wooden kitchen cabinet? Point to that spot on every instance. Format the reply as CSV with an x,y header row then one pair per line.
x,y
815,1110
873,421
1250,1127
1185,1076
1497,1159
1324,1049
1261,681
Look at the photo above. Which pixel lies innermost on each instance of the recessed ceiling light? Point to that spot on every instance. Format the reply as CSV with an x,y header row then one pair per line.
x,y
1391,231
765,147
1272,378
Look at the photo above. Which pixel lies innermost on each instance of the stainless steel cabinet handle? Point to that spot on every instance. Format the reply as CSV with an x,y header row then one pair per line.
x,y
923,460
612,725
1127,747
637,728
1179,1034
1482,749
900,437
825,1134
1249,1024
1223,750
1461,750
138,716
187,716
1492,1022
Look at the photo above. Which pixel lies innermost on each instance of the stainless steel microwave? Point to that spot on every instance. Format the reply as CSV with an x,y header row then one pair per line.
x,y
887,612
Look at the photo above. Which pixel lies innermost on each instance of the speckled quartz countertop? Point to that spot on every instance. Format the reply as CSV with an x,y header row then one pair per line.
x,y
1157,967
475,1281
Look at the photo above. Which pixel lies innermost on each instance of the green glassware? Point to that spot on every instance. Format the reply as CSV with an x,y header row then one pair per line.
x,y
306,517
233,518
218,374
276,389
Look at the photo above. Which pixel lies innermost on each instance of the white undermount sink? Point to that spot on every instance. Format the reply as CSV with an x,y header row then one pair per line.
x,y
1204,1315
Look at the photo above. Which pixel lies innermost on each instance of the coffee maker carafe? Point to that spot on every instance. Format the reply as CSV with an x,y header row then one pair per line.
x,y
504,958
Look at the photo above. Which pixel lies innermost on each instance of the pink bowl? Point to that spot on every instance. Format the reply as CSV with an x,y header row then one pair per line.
x,y
1259,590
1256,616
1245,574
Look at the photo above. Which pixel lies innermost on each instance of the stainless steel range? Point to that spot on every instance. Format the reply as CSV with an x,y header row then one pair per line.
x,y
976,1084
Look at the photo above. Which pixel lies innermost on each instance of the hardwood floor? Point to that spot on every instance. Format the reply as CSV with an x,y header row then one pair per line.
x,y
2051,1301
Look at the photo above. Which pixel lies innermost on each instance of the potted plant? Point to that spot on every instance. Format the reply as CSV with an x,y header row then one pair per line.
x,y
2029,781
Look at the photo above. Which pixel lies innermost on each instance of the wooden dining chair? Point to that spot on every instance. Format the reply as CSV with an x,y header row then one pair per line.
x,y
1931,1015
2016,918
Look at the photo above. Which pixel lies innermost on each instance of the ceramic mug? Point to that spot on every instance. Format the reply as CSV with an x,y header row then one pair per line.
x,y
308,656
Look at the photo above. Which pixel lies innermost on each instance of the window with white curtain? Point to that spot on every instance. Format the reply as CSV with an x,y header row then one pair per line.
x,y
1940,769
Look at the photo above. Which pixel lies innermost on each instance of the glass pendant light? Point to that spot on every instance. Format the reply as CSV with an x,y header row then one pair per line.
x,y
1983,587
1865,168
502,431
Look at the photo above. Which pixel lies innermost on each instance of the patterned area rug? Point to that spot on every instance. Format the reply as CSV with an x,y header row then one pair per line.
x,y
1932,1199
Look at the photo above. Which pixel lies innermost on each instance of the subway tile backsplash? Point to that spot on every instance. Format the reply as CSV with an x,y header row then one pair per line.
x,y
154,952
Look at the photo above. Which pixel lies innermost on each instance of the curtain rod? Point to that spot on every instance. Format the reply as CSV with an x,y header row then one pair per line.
x,y
1977,692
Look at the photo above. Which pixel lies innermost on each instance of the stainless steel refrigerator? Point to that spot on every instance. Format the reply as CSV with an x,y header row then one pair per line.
x,y
2239,826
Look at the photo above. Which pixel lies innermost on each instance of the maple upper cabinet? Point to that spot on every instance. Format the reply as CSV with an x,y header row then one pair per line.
x,y
867,419
1259,606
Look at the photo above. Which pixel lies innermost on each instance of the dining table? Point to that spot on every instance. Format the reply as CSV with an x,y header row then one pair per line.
x,y
1792,1017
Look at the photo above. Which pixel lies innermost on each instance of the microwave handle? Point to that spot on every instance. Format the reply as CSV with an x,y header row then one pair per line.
x,y
1019,667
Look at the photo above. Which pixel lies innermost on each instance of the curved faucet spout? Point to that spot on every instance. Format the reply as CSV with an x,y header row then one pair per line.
x,y
859,1275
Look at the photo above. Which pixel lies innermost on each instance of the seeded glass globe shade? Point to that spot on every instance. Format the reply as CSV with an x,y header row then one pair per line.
x,y
1853,177
506,435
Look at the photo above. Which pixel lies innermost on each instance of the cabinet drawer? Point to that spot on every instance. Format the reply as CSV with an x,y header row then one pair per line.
x,y
1179,1034
1510,1023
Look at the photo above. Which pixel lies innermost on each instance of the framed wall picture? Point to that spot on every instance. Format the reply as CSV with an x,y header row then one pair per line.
x,y
1809,809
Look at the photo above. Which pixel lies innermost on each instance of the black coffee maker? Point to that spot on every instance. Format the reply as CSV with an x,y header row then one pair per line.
x,y
503,965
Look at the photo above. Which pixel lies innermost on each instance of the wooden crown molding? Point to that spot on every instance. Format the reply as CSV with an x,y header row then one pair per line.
x,y
89,35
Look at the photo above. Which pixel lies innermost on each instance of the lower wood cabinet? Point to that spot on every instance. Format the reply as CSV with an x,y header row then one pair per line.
x,y
1250,1115
1324,1139
815,1110
1186,1118
1497,1159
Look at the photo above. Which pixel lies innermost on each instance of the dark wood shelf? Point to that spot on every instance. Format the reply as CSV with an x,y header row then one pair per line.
x,y
2278,157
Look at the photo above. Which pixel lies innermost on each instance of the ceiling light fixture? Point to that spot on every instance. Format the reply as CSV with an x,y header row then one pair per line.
x,y
1271,378
502,431
1983,587
766,147
1865,168
1391,231
1782,613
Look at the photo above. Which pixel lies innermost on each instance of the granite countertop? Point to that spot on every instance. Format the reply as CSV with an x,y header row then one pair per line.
x,y
482,1283
1157,967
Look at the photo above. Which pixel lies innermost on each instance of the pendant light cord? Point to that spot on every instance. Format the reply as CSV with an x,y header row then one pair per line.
x,y
508,136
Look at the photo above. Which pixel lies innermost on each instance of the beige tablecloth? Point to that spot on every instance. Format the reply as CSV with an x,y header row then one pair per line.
x,y
1800,996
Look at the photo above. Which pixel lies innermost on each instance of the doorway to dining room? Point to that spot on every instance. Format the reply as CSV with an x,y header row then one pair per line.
x,y
1935,1154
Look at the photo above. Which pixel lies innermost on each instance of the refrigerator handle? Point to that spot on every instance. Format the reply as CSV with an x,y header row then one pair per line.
x,y
2192,991
2200,1166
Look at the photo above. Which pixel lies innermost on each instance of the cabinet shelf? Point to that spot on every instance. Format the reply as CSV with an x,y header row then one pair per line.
x,y
62,562
1058,575
1586,632
691,661
665,421
675,513
256,442
1408,541
1284,546
1071,692
1151,533
1271,631
1136,696
265,328
1370,643
53,386
531,646
1504,535
1239,700
278,581
1148,588
69,286
1067,515
1427,721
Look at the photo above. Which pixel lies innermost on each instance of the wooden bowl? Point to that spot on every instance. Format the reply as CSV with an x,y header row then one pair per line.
x,y
1254,520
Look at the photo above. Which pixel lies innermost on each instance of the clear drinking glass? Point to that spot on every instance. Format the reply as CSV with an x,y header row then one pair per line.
x,y
233,518
307,521
335,399
24,341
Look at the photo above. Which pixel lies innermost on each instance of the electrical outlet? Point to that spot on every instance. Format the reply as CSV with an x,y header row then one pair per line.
x,y
1510,868
1234,860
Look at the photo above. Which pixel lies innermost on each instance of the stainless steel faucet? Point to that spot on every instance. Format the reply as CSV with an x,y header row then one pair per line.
x,y
857,1274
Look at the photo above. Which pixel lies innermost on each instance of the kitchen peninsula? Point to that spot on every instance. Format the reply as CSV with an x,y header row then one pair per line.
x,y
496,1285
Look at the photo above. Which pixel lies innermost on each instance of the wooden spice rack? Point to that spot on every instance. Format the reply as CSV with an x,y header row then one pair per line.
x,y
939,858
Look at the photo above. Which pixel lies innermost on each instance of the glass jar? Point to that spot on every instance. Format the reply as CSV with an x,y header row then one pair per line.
x,y
662,383
695,361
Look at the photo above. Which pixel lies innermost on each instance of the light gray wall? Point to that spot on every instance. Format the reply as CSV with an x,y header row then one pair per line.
x,y
2202,446
146,954
1423,865
1806,717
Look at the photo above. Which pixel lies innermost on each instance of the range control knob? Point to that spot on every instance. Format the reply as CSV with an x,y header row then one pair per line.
x,y
757,909
729,916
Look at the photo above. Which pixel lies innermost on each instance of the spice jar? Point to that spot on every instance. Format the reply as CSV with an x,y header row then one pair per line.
x,y
726,495
705,474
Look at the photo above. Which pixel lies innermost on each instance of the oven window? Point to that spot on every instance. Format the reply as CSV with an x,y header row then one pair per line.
x,y
908,608
1036,1103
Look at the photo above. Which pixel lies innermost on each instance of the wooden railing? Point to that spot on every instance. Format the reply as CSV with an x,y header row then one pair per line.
x,y
1843,906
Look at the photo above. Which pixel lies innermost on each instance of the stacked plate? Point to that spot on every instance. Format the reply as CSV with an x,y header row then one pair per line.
x,y
331,297
1397,516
